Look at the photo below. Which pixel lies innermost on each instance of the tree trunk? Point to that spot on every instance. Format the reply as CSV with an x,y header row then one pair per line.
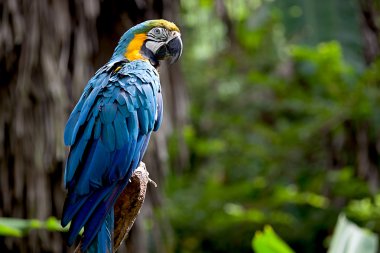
x,y
48,51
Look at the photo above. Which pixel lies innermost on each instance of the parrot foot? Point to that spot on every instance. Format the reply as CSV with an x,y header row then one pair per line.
x,y
152,182
149,180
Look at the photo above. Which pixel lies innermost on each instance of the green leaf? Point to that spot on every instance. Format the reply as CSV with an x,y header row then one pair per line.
x,y
19,227
53,224
10,231
14,227
269,242
349,238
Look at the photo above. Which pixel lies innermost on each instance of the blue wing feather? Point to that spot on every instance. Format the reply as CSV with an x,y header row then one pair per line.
x,y
84,113
132,124
144,146
87,209
143,120
70,209
160,111
74,159
73,119
108,131
108,113
121,130
108,136
103,242
118,163
121,99
89,128
68,134
96,219
131,105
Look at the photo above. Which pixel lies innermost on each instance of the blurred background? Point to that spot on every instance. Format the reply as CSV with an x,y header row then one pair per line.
x,y
271,118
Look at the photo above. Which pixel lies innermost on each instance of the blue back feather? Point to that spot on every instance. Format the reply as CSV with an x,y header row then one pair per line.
x,y
108,132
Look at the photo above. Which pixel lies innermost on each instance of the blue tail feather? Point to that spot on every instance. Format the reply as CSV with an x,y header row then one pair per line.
x,y
81,217
94,224
103,242
70,208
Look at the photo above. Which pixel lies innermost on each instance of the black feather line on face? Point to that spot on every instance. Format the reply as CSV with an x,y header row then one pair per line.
x,y
161,52
149,54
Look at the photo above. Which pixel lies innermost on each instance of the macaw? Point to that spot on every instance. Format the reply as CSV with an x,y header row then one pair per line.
x,y
109,129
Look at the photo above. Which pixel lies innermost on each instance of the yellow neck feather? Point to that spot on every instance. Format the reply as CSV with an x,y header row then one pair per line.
x,y
133,50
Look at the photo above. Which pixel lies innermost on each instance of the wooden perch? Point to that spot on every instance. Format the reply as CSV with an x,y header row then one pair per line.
x,y
128,205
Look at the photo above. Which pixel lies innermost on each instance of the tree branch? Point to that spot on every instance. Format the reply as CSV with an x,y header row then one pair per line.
x,y
128,204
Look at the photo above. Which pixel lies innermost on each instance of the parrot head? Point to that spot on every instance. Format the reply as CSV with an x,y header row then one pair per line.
x,y
152,40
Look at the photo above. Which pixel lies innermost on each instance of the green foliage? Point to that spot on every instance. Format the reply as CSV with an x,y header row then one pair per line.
x,y
283,132
269,242
312,22
347,238
365,211
20,227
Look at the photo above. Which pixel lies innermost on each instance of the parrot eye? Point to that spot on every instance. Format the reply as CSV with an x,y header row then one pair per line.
x,y
157,34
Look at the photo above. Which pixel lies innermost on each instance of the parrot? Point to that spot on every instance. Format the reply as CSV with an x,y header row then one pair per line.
x,y
109,129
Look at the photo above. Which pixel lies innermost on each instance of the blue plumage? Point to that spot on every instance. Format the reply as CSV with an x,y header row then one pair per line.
x,y
108,131
104,236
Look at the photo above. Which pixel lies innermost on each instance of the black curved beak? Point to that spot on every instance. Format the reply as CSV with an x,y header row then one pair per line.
x,y
174,49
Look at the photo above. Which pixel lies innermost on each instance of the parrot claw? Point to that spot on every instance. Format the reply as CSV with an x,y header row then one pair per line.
x,y
142,165
152,182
